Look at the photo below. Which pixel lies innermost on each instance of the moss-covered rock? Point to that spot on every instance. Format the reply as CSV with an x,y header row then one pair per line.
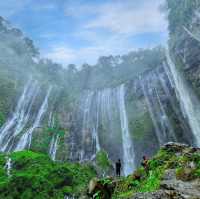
x,y
174,168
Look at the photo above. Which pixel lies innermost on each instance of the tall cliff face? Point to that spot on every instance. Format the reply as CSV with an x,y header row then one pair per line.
x,y
126,121
152,112
184,21
127,106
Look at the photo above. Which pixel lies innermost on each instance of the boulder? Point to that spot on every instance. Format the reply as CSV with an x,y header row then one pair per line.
x,y
92,185
101,188
161,194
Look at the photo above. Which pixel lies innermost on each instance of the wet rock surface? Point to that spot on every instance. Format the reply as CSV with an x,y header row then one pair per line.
x,y
172,186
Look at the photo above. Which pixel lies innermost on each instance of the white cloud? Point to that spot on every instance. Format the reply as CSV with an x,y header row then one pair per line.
x,y
127,16
107,29
65,55
130,17
60,54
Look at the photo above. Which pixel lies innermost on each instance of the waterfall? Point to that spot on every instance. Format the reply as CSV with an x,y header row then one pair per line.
x,y
20,117
166,124
103,115
128,152
169,92
51,121
169,75
151,89
86,126
95,129
191,34
151,111
188,101
55,138
25,140
8,166
92,110
53,147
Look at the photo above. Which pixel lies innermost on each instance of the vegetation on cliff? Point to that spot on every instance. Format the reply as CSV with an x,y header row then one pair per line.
x,y
34,175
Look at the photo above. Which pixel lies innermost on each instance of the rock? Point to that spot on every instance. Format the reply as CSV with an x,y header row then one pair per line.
x,y
104,189
175,147
179,171
192,165
162,194
180,149
173,189
186,174
184,189
169,174
173,185
92,185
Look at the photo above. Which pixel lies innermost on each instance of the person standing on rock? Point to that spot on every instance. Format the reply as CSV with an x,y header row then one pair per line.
x,y
118,167
145,163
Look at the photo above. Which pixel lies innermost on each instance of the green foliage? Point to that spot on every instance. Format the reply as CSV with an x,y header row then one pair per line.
x,y
56,130
7,93
2,119
103,161
34,175
41,140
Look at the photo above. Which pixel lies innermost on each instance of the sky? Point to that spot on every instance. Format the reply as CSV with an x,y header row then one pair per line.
x,y
80,31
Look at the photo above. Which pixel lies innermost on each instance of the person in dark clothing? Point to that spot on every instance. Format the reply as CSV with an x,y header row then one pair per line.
x,y
118,168
145,163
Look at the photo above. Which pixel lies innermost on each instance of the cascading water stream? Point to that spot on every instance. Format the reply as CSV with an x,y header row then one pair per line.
x,y
95,129
23,120
97,111
8,166
86,126
103,115
25,140
11,122
51,121
55,138
104,112
20,117
128,151
173,100
151,88
169,75
167,91
191,34
151,111
189,102
53,147
165,123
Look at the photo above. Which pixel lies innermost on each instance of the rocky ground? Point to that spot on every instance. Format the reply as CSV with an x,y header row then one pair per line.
x,y
174,173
